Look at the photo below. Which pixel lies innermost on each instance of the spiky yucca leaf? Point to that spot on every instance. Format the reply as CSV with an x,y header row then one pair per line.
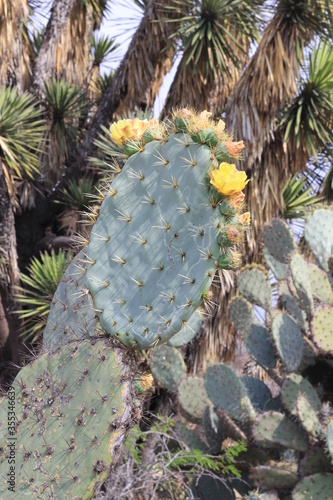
x,y
39,286
66,110
99,84
310,115
22,129
102,49
298,197
77,194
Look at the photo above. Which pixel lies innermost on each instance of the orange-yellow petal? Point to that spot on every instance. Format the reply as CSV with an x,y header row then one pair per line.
x,y
245,218
236,200
234,148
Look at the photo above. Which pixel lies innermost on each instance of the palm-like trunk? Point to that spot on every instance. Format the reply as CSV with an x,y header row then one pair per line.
x,y
56,27
9,275
12,14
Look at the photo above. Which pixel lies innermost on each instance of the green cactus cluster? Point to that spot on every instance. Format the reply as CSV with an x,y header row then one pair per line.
x,y
293,431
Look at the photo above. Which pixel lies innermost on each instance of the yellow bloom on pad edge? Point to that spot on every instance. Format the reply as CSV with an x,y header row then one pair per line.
x,y
127,130
227,180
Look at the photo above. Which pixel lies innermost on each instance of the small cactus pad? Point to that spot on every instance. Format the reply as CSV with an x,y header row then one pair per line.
x,y
228,392
308,417
72,315
280,475
291,305
167,366
192,398
295,385
188,331
279,269
316,487
241,313
320,285
299,272
145,291
260,346
288,340
258,392
279,240
323,329
319,236
72,408
272,429
253,283
309,356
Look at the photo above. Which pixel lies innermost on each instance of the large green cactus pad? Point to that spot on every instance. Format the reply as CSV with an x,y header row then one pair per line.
x,y
71,411
279,240
154,247
295,385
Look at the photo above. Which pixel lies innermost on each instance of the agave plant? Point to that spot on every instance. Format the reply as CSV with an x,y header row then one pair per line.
x,y
38,286
22,128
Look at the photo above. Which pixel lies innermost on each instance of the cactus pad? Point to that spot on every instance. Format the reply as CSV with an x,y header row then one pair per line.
x,y
167,366
188,331
280,475
291,305
320,285
160,202
72,316
308,417
279,240
329,438
319,236
315,460
279,269
317,486
272,429
259,344
72,408
213,429
192,398
295,385
299,272
322,329
288,340
253,283
241,313
228,392
258,392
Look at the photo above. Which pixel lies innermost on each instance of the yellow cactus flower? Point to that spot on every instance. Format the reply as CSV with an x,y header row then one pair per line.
x,y
245,218
227,180
205,115
127,130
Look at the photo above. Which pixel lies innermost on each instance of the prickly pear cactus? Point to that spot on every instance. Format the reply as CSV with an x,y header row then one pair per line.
x,y
169,220
72,409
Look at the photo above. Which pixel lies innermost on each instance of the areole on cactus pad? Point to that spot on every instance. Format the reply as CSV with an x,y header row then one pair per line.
x,y
165,227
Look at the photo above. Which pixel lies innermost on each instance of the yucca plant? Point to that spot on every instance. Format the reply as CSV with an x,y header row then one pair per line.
x,y
298,197
103,48
309,117
22,128
215,37
99,85
66,110
37,289
76,198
